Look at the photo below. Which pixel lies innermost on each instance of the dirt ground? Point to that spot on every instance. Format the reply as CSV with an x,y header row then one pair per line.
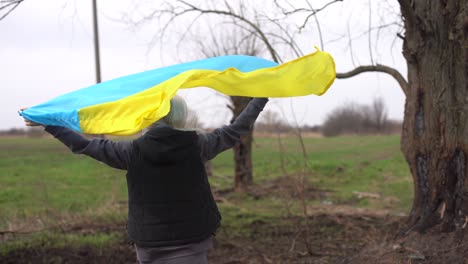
x,y
332,239
331,234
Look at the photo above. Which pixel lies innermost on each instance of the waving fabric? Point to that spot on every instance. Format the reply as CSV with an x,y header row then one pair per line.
x,y
125,105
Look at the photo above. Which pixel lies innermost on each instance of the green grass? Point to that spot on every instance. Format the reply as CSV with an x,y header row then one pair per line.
x,y
60,240
343,165
40,178
41,181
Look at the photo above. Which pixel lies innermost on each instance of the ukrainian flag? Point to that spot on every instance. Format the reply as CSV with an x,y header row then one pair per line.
x,y
125,105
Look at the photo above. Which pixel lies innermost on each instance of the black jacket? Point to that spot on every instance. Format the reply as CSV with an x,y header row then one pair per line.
x,y
170,200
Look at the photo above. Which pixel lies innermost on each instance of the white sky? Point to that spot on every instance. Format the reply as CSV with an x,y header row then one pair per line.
x,y
46,49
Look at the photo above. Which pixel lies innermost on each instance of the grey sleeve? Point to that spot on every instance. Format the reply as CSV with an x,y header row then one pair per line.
x,y
226,137
113,153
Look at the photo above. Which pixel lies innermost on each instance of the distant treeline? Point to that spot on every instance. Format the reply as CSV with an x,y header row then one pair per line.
x,y
351,118
25,132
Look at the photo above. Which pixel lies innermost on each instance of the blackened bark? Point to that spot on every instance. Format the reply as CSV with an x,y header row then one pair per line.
x,y
243,176
435,127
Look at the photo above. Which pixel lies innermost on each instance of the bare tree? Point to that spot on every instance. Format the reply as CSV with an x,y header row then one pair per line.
x,y
347,119
435,127
435,130
235,42
7,6
379,115
352,118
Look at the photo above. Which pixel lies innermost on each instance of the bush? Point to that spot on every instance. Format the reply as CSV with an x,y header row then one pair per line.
x,y
353,118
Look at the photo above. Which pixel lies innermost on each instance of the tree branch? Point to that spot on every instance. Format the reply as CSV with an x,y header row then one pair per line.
x,y
288,39
314,11
11,4
272,51
319,29
378,68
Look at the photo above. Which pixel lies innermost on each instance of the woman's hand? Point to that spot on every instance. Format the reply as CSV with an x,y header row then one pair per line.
x,y
29,122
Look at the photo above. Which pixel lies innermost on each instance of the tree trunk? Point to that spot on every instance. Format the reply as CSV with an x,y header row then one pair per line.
x,y
435,127
243,150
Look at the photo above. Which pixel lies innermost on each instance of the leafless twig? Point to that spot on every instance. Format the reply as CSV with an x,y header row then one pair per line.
x,y
8,6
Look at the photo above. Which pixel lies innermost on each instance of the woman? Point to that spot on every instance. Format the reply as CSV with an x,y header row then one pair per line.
x,y
172,215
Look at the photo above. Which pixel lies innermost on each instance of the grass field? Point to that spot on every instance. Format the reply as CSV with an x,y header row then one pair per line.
x,y
43,184
40,179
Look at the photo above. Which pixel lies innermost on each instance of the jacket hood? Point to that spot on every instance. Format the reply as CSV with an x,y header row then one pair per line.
x,y
163,144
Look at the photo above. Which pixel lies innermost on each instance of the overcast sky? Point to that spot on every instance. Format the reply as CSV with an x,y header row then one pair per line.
x,y
46,49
